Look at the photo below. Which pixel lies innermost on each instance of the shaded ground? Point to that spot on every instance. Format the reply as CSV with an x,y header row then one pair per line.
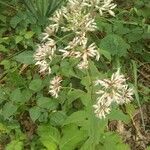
x,y
134,133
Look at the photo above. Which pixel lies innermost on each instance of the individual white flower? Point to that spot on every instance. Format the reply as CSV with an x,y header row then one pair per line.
x,y
102,6
43,67
107,6
74,54
105,97
101,109
79,40
44,54
83,65
126,95
91,51
55,86
88,52
116,81
75,5
49,31
56,18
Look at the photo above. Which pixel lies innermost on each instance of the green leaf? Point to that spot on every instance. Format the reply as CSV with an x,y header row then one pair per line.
x,y
2,48
29,34
94,73
87,145
35,113
67,68
15,145
74,94
114,140
148,148
78,117
117,114
15,20
49,136
58,118
16,95
106,53
9,109
6,64
35,85
25,57
72,137
47,103
27,93
18,39
115,45
135,35
48,144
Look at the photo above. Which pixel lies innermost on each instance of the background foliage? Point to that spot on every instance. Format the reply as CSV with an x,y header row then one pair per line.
x,y
29,117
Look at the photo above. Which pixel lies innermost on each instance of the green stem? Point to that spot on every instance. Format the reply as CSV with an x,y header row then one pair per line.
x,y
136,92
92,118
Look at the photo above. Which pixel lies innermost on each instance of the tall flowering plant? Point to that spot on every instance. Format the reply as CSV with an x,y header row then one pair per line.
x,y
67,37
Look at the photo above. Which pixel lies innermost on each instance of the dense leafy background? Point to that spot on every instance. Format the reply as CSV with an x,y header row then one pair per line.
x,y
29,117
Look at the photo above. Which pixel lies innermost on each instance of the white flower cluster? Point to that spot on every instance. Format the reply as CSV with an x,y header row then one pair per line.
x,y
44,55
113,90
55,86
77,17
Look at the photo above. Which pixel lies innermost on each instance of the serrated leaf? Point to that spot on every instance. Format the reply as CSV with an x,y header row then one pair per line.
x,y
35,113
49,133
16,95
25,57
47,103
15,20
74,94
78,117
115,45
72,136
58,118
35,85
117,114
8,110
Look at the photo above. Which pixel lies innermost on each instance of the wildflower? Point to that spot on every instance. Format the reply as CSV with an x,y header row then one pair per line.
x,y
89,52
127,94
101,109
44,55
83,65
116,81
55,86
107,6
74,54
113,90
78,40
79,22
56,18
49,31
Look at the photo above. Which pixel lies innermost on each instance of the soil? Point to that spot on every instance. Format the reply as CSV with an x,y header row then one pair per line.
x,y
135,133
